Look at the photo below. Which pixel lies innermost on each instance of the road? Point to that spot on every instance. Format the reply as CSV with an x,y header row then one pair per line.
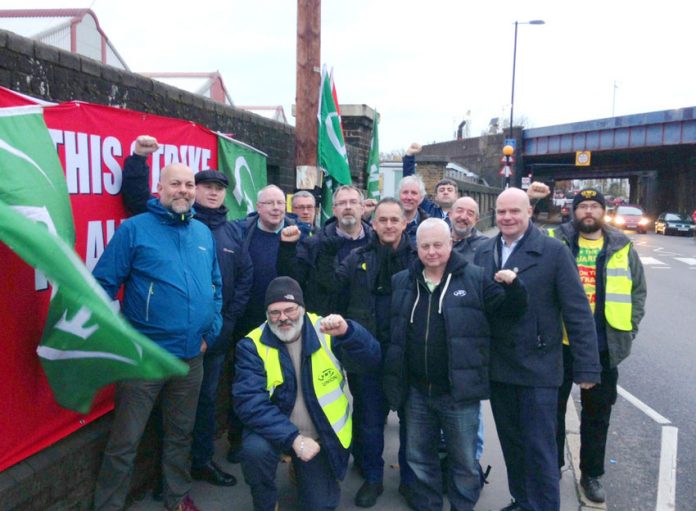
x,y
661,374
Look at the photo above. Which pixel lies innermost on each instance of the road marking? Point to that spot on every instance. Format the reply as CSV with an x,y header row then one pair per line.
x,y
667,476
688,260
649,261
667,479
642,406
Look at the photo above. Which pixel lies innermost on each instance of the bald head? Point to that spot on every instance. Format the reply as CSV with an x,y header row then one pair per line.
x,y
177,188
512,213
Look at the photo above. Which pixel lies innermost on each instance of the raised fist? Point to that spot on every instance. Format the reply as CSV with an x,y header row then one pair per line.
x,y
414,148
145,145
290,234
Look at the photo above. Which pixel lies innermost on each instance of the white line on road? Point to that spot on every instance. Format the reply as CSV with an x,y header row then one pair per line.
x,y
667,477
646,260
667,480
688,260
642,406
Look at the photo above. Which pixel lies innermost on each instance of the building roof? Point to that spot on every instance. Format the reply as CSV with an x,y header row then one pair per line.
x,y
74,30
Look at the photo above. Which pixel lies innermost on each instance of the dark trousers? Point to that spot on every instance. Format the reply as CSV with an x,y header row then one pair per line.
x,y
525,418
133,403
594,418
203,446
428,418
318,488
370,410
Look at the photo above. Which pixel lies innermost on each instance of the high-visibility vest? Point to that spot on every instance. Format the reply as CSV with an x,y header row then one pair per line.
x,y
618,304
327,380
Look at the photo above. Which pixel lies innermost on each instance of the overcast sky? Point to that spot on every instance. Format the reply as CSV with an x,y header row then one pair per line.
x,y
424,64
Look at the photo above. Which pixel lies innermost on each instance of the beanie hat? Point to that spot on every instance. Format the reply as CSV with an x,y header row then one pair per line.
x,y
212,176
284,289
589,194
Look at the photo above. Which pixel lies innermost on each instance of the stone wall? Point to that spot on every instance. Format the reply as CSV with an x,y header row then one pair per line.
x,y
358,121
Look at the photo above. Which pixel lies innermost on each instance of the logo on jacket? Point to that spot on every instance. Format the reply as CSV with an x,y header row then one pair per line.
x,y
459,292
327,376
289,297
202,248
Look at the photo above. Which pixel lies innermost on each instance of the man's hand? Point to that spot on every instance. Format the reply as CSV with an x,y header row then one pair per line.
x,y
290,234
305,448
505,276
333,325
414,148
586,385
145,145
538,190
204,346
370,205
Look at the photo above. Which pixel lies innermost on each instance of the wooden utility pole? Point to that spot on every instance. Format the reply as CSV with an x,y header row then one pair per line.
x,y
307,89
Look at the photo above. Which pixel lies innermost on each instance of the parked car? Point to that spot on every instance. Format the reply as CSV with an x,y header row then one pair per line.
x,y
674,223
630,217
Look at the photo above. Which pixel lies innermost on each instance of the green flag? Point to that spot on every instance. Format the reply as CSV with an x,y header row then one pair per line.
x,y
332,156
373,162
245,167
85,343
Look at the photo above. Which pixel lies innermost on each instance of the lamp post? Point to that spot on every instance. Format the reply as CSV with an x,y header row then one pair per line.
x,y
514,61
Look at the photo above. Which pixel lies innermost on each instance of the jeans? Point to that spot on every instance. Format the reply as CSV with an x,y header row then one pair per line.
x,y
318,488
459,422
525,418
594,417
370,410
203,447
133,403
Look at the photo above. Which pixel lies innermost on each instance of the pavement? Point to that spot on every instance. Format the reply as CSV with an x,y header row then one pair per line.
x,y
493,497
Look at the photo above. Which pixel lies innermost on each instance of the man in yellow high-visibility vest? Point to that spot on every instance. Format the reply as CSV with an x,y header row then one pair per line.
x,y
288,393
612,275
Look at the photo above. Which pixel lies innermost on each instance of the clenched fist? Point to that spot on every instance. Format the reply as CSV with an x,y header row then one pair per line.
x,y
333,325
505,276
290,234
538,190
145,145
414,148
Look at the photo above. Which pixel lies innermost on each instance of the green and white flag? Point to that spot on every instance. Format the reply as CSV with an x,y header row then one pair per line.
x,y
373,162
85,343
332,155
245,167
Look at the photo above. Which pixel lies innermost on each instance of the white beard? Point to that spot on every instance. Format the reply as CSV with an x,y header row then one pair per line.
x,y
288,335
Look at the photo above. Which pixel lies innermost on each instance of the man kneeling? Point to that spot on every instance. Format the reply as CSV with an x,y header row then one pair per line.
x,y
288,393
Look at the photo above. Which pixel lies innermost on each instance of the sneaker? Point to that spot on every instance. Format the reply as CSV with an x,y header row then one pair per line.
x,y
186,505
368,493
593,489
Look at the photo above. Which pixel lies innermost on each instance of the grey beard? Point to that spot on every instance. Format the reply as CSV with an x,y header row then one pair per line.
x,y
348,221
462,233
290,335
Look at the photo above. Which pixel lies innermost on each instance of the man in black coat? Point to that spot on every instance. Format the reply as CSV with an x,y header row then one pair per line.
x,y
436,365
365,278
526,355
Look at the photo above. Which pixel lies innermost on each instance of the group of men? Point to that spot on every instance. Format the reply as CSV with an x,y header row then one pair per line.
x,y
413,308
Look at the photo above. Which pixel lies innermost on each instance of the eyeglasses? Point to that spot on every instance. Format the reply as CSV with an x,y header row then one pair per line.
x,y
344,203
280,203
289,312
589,206
308,206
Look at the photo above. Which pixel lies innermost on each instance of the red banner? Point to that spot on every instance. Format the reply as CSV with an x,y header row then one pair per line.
x,y
92,142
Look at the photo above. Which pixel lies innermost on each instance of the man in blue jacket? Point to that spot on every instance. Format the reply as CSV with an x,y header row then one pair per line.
x,y
526,355
236,269
173,295
288,392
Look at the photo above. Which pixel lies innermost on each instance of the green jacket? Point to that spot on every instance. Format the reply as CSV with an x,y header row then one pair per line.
x,y
618,341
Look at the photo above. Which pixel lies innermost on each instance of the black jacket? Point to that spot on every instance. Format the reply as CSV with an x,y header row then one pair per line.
x,y
300,261
469,302
358,279
468,246
528,351
235,264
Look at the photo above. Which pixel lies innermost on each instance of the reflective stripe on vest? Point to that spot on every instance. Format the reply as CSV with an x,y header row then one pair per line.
x,y
327,380
618,305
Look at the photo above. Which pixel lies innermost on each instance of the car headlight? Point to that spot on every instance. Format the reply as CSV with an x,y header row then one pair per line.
x,y
643,221
619,220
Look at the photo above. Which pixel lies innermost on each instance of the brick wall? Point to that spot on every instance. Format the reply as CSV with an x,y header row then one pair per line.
x,y
358,121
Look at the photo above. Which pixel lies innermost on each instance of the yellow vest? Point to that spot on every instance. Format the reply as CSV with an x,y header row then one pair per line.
x,y
618,305
327,380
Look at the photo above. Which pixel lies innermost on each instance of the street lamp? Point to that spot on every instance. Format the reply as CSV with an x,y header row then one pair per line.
x,y
514,61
